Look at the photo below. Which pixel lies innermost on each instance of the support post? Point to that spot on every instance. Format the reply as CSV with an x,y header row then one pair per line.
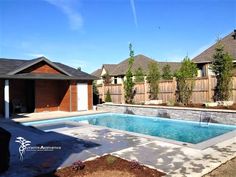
x,y
103,92
174,85
122,93
6,99
145,90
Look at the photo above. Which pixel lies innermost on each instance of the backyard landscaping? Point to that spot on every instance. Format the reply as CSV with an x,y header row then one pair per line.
x,y
226,170
106,166
233,107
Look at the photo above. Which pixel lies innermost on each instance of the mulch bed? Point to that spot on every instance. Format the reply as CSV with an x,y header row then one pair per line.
x,y
233,107
105,166
225,170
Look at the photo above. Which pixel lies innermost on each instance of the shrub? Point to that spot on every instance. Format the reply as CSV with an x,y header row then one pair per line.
x,y
139,76
135,165
153,78
166,73
222,66
128,83
106,78
108,96
185,80
78,165
110,159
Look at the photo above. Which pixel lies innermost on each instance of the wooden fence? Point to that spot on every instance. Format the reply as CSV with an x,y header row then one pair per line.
x,y
203,91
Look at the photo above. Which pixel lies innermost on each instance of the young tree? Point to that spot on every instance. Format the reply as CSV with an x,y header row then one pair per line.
x,y
106,78
153,78
139,76
108,96
222,66
185,80
128,83
166,73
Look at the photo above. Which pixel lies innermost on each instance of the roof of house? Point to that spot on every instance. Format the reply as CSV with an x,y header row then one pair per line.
x,y
229,43
142,62
109,67
139,61
11,69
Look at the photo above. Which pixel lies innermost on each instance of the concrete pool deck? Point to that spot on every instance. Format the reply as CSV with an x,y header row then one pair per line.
x,y
88,141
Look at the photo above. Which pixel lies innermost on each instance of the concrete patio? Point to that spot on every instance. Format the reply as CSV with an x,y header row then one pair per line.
x,y
86,141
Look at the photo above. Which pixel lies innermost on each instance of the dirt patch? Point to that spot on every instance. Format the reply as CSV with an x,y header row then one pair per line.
x,y
226,170
106,166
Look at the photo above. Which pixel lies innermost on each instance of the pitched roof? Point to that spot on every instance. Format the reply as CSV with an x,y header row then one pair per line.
x,y
97,73
10,68
229,43
142,62
109,67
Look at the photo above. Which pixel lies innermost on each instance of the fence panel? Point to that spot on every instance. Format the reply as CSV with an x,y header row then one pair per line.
x,y
139,93
200,91
166,91
203,91
115,92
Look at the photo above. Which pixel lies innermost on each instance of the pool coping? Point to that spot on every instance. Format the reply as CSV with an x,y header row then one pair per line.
x,y
199,146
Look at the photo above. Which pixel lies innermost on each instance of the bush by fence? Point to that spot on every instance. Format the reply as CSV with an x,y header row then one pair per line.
x,y
203,91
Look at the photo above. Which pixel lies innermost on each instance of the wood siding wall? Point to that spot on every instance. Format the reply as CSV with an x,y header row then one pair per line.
x,y
90,95
41,67
203,91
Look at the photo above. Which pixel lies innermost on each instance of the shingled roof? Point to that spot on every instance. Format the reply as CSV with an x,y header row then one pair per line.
x,y
142,62
97,73
109,67
229,43
11,68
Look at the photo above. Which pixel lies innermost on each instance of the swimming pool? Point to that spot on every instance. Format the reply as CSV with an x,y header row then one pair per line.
x,y
184,131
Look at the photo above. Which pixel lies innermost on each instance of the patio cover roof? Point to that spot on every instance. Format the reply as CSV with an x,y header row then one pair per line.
x,y
11,68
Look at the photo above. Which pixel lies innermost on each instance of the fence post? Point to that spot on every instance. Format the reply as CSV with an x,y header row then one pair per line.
x,y
174,85
209,88
122,93
103,92
145,90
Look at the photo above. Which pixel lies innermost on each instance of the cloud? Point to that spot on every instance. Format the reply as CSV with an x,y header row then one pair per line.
x,y
134,12
68,8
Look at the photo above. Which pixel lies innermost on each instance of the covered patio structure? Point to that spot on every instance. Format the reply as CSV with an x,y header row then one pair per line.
x,y
40,85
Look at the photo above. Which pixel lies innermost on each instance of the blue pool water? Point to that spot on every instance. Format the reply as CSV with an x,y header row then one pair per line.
x,y
184,131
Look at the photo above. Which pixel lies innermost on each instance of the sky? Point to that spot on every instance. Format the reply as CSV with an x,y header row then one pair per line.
x,y
89,33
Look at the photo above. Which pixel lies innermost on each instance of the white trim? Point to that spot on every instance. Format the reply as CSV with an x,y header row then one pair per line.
x,y
6,99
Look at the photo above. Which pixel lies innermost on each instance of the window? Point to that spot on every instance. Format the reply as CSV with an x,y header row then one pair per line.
x,y
115,80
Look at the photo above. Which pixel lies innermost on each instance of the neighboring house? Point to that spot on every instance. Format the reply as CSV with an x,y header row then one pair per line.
x,y
41,85
106,69
118,71
204,59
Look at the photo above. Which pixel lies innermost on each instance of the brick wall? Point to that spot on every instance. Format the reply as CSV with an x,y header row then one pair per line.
x,y
1,96
41,67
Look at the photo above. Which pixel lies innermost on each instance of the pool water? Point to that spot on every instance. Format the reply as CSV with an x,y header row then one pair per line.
x,y
184,131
